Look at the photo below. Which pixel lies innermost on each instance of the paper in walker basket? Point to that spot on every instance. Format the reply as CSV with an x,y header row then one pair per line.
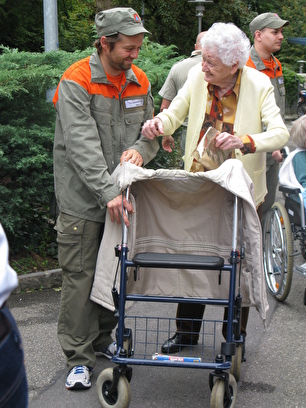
x,y
207,155
180,359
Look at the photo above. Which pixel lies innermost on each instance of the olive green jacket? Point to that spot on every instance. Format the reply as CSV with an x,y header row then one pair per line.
x,y
95,123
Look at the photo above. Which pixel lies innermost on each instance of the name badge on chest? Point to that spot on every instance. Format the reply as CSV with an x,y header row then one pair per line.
x,y
134,103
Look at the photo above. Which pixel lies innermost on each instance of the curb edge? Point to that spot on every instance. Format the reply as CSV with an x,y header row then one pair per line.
x,y
39,280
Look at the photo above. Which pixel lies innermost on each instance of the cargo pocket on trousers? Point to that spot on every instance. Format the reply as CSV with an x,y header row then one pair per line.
x,y
69,252
70,242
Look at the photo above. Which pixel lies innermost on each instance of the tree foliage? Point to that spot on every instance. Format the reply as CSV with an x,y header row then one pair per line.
x,y
175,22
170,22
156,60
295,12
76,24
22,24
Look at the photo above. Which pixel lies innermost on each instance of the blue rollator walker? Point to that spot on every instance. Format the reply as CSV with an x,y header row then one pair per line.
x,y
139,337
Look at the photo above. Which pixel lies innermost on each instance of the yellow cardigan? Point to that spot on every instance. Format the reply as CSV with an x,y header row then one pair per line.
x,y
257,115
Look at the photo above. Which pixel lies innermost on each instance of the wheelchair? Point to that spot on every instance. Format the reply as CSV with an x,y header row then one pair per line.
x,y
284,225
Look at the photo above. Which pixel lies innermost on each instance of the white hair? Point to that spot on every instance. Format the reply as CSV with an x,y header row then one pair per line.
x,y
298,132
230,43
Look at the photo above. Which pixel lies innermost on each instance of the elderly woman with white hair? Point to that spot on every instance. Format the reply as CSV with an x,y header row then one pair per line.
x,y
239,103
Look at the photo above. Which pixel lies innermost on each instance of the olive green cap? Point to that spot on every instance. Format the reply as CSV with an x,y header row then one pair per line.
x,y
270,20
122,20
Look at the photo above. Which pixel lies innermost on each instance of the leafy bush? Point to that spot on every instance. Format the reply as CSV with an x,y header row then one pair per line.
x,y
26,132
291,79
156,60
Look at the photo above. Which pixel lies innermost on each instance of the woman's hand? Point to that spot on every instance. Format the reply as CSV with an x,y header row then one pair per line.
x,y
152,128
226,141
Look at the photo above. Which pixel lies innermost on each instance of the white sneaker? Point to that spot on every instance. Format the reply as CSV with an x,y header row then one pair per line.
x,y
107,352
78,378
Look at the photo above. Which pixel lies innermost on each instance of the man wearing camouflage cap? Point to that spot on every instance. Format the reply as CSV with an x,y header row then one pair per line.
x,y
267,31
101,103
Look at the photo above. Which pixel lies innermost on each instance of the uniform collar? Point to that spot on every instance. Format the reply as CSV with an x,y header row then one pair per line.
x,y
195,53
98,74
260,66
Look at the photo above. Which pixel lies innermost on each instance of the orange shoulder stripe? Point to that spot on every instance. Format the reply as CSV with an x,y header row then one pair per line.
x,y
80,73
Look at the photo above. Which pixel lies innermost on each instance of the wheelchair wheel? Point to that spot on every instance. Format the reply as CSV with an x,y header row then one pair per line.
x,y
278,252
120,397
219,399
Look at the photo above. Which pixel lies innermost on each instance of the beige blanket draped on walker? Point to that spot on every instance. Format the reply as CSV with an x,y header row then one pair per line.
x,y
190,213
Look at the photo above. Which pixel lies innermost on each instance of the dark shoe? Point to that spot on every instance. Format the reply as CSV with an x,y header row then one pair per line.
x,y
176,343
107,352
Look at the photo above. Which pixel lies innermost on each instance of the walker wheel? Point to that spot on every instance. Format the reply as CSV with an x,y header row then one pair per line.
x,y
218,398
120,397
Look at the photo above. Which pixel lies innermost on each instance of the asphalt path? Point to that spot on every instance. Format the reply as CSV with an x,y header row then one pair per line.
x,y
272,376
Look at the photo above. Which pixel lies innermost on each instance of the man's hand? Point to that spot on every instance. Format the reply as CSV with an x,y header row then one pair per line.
x,y
168,143
116,211
277,156
152,128
132,156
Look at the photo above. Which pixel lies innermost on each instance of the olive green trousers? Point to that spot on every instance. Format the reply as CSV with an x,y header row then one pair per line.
x,y
83,325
